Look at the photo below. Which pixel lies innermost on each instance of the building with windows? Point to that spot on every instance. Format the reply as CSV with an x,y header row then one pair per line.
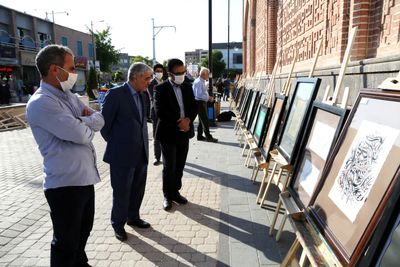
x,y
235,55
23,35
123,64
195,57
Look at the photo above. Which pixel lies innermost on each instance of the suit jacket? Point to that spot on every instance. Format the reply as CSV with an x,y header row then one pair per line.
x,y
125,133
168,112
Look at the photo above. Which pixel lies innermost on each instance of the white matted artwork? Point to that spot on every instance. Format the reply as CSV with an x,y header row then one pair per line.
x,y
309,177
361,167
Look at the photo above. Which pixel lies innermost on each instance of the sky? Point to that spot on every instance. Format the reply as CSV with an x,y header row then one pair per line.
x,y
131,24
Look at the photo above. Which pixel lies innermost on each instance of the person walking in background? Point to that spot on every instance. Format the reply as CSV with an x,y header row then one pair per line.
x,y
158,75
200,91
176,110
127,151
5,94
227,88
63,128
18,89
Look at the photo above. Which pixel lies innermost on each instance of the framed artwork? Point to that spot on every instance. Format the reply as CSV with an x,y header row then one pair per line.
x,y
244,100
305,91
273,125
254,104
360,174
322,130
260,124
247,105
239,94
253,123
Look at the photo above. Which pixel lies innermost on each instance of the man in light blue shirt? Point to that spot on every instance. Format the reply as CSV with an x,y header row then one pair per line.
x,y
63,128
200,92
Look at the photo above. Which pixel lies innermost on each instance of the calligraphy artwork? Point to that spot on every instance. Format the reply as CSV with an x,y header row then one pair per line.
x,y
362,165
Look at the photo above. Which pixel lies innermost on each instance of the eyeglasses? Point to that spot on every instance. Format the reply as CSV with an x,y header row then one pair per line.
x,y
179,73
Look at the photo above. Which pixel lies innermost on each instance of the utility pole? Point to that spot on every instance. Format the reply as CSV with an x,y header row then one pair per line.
x,y
210,66
94,43
154,37
228,59
53,13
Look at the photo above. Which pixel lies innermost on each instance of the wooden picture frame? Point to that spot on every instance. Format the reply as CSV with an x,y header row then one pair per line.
x,y
323,127
244,101
305,91
260,124
360,175
272,129
247,105
253,123
254,104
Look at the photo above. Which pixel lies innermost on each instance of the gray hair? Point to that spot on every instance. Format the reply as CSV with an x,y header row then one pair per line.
x,y
202,70
138,68
51,54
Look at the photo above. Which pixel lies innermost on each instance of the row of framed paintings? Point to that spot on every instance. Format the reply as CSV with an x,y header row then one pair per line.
x,y
345,171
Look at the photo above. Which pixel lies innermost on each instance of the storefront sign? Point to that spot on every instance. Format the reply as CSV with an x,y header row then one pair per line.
x,y
7,52
81,62
28,58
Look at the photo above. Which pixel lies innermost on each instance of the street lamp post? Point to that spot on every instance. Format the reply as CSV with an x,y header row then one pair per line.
x,y
94,43
154,37
227,71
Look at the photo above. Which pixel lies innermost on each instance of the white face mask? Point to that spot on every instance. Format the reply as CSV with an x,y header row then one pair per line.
x,y
70,82
179,79
158,75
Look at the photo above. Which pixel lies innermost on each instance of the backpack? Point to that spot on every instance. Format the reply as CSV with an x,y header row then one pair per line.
x,y
225,116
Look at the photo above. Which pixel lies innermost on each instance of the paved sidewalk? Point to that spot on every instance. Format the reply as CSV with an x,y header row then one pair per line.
x,y
221,225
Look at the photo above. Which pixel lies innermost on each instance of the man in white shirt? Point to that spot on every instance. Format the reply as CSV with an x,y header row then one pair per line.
x,y
200,92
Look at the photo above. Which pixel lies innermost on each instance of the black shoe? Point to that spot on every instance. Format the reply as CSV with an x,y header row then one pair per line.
x,y
180,199
138,223
120,234
156,162
201,138
167,204
211,139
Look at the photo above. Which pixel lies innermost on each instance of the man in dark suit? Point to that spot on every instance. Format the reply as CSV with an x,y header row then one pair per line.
x,y
158,78
176,110
127,152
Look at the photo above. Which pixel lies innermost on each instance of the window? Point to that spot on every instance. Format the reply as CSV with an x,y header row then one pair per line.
x,y
237,58
90,50
79,48
43,39
64,41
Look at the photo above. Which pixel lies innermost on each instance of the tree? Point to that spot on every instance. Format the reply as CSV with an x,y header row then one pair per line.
x,y
218,65
117,77
105,51
145,60
91,83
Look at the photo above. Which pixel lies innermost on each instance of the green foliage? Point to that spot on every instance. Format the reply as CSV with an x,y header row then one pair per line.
x,y
105,51
145,60
218,64
117,77
91,83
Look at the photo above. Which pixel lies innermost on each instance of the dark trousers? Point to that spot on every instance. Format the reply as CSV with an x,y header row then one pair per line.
x,y
174,159
128,186
203,119
157,146
72,213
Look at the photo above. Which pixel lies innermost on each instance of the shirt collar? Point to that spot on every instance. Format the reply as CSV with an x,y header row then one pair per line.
x,y
55,91
133,91
174,85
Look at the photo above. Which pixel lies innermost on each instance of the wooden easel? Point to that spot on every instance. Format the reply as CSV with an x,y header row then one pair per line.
x,y
281,179
315,250
285,198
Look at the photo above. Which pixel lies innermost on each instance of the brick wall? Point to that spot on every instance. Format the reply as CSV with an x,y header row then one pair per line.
x,y
282,27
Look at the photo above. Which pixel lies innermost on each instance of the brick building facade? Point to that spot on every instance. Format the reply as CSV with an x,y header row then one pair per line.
x,y
273,29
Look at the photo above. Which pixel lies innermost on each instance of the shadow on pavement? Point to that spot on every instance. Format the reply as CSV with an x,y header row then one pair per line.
x,y
160,258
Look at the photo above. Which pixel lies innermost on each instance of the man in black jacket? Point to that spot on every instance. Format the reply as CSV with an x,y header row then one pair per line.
x,y
158,78
176,110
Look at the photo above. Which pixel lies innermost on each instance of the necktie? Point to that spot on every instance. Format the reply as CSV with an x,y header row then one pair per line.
x,y
138,105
